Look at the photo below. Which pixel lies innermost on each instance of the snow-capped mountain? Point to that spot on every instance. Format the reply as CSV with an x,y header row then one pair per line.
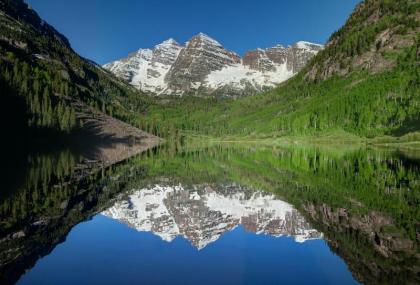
x,y
202,66
146,69
201,214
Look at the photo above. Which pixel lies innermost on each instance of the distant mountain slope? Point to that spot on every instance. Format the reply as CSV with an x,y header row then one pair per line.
x,y
365,82
39,69
204,67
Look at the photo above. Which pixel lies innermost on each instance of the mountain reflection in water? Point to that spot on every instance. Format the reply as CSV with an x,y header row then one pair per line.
x,y
204,212
356,209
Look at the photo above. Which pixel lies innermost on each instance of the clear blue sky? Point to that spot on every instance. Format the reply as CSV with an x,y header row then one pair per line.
x,y
105,30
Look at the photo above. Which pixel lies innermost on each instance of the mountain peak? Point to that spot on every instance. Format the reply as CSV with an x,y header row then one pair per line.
x,y
279,46
203,63
305,45
205,39
145,52
169,42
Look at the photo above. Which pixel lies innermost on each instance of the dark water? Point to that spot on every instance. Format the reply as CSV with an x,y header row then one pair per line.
x,y
213,215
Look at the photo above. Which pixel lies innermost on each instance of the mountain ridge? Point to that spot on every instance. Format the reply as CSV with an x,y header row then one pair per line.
x,y
202,66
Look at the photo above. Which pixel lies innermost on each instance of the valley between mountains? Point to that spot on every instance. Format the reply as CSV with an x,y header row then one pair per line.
x,y
187,163
362,86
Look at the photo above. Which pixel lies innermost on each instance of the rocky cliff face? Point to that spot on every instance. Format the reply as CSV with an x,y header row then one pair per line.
x,y
201,56
204,67
202,214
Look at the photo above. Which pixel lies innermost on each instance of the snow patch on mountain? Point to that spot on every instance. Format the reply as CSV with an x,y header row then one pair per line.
x,y
239,75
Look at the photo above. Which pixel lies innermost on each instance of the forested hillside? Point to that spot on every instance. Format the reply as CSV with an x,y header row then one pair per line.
x,y
39,71
365,82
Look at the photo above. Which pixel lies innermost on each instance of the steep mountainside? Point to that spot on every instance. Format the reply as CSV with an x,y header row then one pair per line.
x,y
39,69
365,82
146,69
203,66
374,31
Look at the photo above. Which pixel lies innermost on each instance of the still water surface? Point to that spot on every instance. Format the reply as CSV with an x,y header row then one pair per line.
x,y
214,215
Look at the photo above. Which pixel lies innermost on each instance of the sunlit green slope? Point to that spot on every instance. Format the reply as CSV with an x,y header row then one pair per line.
x,y
365,82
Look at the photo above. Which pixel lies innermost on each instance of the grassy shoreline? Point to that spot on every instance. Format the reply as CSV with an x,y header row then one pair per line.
x,y
409,141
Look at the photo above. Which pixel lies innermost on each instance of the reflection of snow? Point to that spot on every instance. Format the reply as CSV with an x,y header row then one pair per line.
x,y
203,215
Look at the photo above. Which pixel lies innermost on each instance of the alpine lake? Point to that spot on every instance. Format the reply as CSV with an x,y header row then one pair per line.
x,y
212,214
